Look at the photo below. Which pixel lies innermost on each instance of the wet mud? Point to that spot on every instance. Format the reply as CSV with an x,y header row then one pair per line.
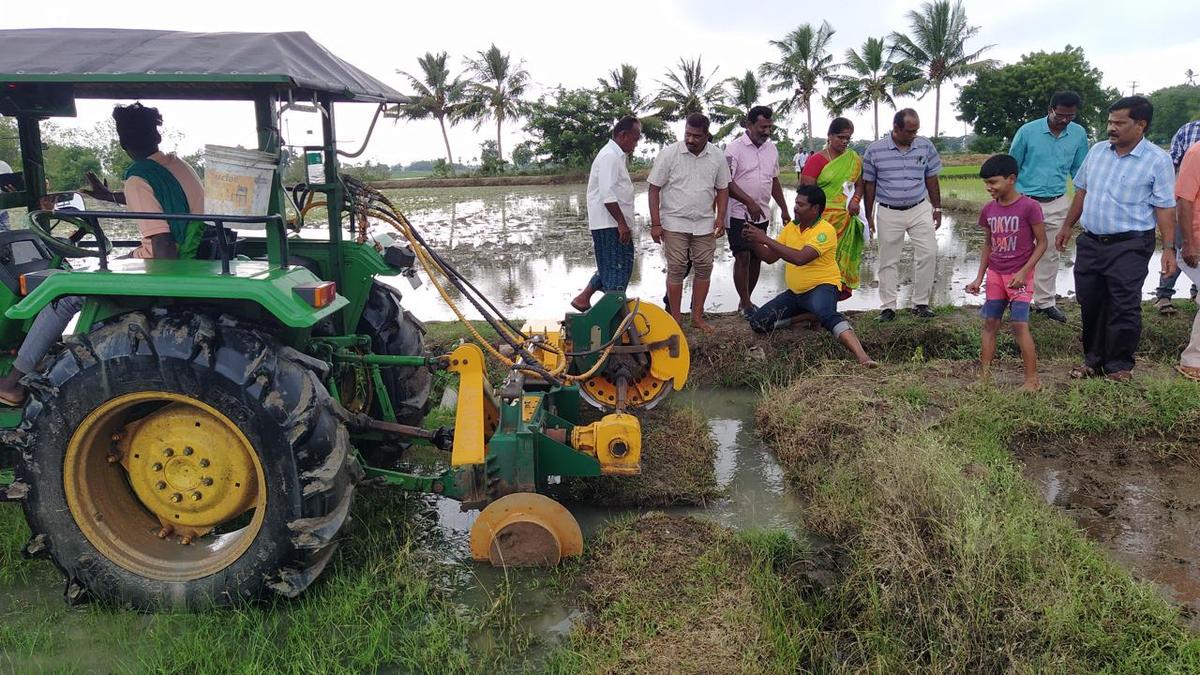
x,y
1140,504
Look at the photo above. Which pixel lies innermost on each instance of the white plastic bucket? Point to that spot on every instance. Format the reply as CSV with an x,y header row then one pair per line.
x,y
237,181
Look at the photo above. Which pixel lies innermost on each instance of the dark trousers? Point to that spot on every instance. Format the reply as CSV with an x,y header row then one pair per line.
x,y
614,260
820,301
1108,285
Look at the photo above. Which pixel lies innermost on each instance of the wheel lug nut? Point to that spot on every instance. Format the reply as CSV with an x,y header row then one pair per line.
x,y
164,532
188,451
113,459
203,463
196,496
168,452
160,485
156,467
177,497
115,437
206,481
185,540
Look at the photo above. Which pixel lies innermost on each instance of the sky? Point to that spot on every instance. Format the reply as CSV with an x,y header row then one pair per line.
x,y
1151,42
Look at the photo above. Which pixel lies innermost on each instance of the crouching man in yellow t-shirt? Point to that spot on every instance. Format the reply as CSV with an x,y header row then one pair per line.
x,y
808,247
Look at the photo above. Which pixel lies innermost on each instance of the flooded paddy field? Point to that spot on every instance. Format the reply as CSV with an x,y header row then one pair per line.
x,y
795,514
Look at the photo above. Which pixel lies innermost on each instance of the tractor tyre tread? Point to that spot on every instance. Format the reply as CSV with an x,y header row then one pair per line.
x,y
272,393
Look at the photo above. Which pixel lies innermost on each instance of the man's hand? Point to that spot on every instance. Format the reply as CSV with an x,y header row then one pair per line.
x,y
755,211
937,218
754,235
1169,266
852,206
719,227
1061,239
1191,255
96,188
655,233
973,287
624,234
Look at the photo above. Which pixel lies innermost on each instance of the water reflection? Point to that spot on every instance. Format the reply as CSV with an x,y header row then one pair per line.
x,y
529,249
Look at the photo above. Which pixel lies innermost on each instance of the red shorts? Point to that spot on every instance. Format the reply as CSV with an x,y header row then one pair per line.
x,y
996,286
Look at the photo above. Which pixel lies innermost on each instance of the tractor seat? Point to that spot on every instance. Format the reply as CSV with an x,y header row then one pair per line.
x,y
21,252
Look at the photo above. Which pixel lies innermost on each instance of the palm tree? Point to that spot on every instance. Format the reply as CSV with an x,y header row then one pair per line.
x,y
688,90
1190,75
624,81
804,64
437,96
741,94
495,90
937,49
871,79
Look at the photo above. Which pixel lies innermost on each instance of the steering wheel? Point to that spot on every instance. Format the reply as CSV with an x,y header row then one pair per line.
x,y
40,225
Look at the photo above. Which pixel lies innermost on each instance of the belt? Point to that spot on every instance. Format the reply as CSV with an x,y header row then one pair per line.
x,y
1044,200
1120,236
901,208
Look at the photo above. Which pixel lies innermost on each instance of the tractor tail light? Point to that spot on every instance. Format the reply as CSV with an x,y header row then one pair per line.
x,y
24,285
318,294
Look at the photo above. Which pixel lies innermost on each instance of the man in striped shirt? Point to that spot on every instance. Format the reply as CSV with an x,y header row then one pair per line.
x,y
1124,189
901,170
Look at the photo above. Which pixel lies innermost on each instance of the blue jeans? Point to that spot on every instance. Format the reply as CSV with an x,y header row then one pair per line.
x,y
821,301
614,260
1166,285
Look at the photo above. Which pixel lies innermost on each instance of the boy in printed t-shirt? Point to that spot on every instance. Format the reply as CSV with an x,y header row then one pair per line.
x,y
1015,242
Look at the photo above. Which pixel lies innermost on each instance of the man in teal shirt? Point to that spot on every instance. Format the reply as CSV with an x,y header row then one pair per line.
x,y
1049,150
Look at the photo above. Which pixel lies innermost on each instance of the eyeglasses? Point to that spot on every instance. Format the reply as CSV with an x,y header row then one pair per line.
x,y
1066,117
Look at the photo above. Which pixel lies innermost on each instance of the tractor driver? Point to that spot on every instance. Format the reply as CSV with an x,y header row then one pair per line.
x,y
155,182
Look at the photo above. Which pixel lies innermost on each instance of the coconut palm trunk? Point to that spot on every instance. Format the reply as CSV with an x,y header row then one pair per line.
x,y
446,140
937,107
875,104
499,147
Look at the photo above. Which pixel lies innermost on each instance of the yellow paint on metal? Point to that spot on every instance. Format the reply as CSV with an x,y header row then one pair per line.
x,y
469,416
550,334
189,468
655,324
529,405
615,441
666,372
128,495
525,528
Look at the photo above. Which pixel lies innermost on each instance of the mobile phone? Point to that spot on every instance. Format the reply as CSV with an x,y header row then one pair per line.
x,y
12,182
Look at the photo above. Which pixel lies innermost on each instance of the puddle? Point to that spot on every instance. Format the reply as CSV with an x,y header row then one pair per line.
x,y
747,473
1143,511
529,250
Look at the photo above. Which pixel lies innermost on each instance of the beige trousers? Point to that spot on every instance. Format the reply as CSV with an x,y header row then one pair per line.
x,y
1045,274
917,223
1191,353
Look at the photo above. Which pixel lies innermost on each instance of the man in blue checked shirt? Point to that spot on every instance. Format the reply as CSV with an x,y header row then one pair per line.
x,y
1185,137
1124,189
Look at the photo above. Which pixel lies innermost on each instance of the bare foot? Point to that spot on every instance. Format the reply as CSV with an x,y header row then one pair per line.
x,y
985,376
14,397
703,325
868,364
1031,385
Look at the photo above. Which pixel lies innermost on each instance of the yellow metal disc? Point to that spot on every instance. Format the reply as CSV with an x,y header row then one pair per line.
x,y
147,509
666,372
525,529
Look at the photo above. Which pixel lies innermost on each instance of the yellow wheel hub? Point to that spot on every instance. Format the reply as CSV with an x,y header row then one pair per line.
x,y
667,370
189,467
164,485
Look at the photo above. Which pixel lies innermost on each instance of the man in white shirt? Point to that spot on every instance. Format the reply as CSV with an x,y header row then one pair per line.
x,y
610,213
688,180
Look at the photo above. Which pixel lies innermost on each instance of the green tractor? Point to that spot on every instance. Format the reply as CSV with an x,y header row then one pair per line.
x,y
196,441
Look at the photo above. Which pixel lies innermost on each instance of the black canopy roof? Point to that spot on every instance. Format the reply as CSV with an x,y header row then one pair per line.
x,y
114,63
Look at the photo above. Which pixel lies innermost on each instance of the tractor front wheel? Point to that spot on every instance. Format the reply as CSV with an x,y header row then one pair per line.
x,y
177,461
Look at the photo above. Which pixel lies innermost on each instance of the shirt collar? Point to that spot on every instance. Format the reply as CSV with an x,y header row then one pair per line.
x,y
1066,130
684,149
1138,150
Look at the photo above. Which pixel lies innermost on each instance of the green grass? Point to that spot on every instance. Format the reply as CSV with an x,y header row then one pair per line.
x,y
962,171
953,563
382,604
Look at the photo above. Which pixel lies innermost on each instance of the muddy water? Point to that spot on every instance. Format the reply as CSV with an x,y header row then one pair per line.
x,y
1145,513
529,250
754,498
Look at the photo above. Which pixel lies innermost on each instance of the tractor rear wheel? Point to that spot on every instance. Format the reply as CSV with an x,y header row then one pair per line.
x,y
177,461
395,332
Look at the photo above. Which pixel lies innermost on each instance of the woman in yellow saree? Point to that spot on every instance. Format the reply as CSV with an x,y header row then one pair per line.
x,y
837,170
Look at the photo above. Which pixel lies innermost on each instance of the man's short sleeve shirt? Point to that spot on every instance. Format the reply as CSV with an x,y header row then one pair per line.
x,y
1122,192
689,185
822,238
609,182
899,175
754,168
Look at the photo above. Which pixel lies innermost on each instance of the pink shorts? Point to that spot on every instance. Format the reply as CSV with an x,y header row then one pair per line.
x,y
996,287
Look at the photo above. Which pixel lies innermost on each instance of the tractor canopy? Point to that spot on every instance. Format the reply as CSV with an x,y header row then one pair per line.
x,y
58,64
